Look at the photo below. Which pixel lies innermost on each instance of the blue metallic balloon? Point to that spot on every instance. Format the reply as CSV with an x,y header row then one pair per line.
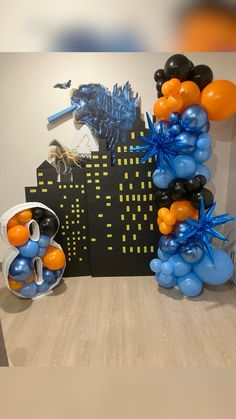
x,y
162,127
166,281
180,267
175,129
44,287
202,169
204,141
194,118
202,155
181,229
192,252
162,177
44,240
186,139
21,269
174,117
155,265
48,275
184,166
168,245
29,249
28,290
206,128
217,272
167,268
161,255
190,285
42,251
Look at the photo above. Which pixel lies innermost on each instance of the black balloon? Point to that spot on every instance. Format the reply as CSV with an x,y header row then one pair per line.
x,y
202,75
159,84
162,198
206,194
177,66
194,185
201,179
48,225
38,213
177,189
159,94
159,74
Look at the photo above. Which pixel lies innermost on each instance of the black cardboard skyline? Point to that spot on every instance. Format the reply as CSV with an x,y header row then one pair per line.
x,y
107,213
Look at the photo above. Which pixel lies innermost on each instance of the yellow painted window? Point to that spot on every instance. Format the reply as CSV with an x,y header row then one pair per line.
x,y
120,186
33,190
127,227
61,205
96,165
126,175
108,225
127,208
44,190
121,198
105,173
104,157
142,185
88,174
124,249
40,174
104,165
122,217
97,181
149,173
150,196
95,157
88,165
119,149
97,188
119,162
123,237
109,236
93,239
60,186
98,196
150,160
145,198
71,186
136,174
80,259
108,196
138,198
110,248
132,135
134,217
64,186
139,208
77,186
127,198
108,204
139,227
150,208
152,249
133,197
145,249
131,186
137,160
131,160
151,227
149,184
125,148
89,180
125,162
131,249
100,215
41,182
96,173
145,217
134,237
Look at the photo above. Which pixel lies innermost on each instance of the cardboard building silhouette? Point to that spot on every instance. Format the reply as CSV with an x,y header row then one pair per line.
x,y
107,212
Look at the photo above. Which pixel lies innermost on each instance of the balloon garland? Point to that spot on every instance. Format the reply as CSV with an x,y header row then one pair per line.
x,y
188,99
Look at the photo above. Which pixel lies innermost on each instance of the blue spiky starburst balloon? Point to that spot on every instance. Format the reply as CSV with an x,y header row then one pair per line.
x,y
160,144
204,227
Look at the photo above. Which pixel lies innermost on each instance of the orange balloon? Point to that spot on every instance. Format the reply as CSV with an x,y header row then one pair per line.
x,y
159,220
24,216
170,219
54,258
18,235
195,214
163,212
31,279
182,210
164,228
219,99
190,93
175,103
161,110
171,87
15,285
12,222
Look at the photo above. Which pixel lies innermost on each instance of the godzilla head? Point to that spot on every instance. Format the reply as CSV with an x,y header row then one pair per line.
x,y
84,97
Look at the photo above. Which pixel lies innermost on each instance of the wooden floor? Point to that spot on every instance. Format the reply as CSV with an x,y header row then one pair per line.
x,y
118,322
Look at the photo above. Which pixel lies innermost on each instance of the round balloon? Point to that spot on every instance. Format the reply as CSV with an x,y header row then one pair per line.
x,y
190,93
219,99
190,285
54,258
48,225
177,66
194,118
30,249
162,177
28,290
217,272
180,267
184,166
166,281
18,235
24,216
155,265
202,75
21,269
203,170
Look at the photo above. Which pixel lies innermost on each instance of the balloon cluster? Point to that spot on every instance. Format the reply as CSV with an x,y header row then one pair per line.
x,y
181,144
22,275
181,84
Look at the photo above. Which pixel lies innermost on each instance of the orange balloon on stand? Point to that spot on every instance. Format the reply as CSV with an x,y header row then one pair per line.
x,y
24,216
190,93
15,285
18,235
219,99
195,214
182,210
171,87
54,258
12,222
161,110
170,219
165,228
162,212
159,220
175,103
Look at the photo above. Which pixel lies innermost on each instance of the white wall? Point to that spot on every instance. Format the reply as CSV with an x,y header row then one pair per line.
x,y
28,98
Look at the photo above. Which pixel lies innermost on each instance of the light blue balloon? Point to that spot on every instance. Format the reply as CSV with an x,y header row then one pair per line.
x,y
190,285
44,287
44,240
29,249
202,169
167,268
155,265
204,141
162,178
185,166
21,269
42,251
162,256
180,267
166,281
215,273
202,155
28,290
